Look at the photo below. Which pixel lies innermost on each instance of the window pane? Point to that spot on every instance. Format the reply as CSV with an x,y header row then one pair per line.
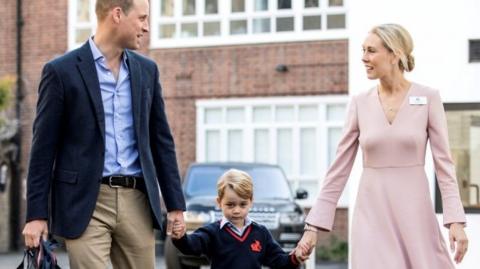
x,y
188,7
212,146
284,150
238,27
308,113
167,8
262,114
238,5
211,6
261,25
335,112
284,4
81,35
312,22
211,28
284,113
83,10
335,3
285,24
336,21
213,115
167,31
464,139
189,30
235,145
312,3
261,5
262,146
308,156
235,115
334,135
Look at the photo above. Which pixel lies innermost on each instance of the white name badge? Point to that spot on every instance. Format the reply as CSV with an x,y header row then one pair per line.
x,y
417,100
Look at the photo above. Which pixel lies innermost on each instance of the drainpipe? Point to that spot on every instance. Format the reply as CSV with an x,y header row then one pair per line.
x,y
15,194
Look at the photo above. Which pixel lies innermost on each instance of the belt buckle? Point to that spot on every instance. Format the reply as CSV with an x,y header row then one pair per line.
x,y
110,183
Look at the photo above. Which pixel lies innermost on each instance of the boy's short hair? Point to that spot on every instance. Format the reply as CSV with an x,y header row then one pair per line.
x,y
238,181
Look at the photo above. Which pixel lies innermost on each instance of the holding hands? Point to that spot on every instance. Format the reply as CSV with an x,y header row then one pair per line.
x,y
175,224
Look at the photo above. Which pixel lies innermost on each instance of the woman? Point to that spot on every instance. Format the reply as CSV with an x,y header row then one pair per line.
x,y
394,225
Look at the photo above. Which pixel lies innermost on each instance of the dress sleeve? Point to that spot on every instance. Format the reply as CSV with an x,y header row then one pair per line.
x,y
322,213
444,167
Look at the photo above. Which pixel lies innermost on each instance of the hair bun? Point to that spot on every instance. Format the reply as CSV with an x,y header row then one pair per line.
x,y
410,63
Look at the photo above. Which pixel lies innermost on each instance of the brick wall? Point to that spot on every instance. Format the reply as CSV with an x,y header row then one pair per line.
x,y
7,67
315,68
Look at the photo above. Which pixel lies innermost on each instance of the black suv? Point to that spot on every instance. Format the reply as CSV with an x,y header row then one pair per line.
x,y
273,206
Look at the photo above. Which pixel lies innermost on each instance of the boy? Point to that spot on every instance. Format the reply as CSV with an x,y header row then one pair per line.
x,y
236,241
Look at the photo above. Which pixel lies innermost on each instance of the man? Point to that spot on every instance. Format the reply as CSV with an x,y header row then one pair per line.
x,y
102,147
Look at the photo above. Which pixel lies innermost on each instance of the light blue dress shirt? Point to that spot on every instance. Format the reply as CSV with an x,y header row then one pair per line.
x,y
121,151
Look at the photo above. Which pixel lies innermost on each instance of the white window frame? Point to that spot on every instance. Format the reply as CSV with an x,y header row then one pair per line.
x,y
224,8
73,25
322,126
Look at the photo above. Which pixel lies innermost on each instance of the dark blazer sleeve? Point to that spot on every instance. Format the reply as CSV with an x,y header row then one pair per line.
x,y
163,151
46,132
275,256
196,244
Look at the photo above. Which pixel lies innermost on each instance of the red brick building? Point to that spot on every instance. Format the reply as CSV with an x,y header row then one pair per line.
x,y
270,75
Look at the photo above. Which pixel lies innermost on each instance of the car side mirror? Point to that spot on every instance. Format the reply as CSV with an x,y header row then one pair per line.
x,y
302,193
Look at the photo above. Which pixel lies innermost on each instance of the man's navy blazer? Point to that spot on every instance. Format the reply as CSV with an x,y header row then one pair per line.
x,y
68,146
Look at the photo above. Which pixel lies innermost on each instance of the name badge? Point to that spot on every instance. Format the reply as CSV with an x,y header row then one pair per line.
x,y
417,100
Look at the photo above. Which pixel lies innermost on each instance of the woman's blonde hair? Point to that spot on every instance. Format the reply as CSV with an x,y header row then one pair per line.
x,y
397,40
238,181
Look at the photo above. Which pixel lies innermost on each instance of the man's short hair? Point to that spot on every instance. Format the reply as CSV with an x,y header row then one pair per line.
x,y
102,7
238,181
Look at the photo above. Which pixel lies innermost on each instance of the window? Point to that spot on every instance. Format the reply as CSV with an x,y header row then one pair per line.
x,y
82,21
187,23
463,122
474,51
298,133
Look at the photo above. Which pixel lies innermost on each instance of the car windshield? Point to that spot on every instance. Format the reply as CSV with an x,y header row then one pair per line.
x,y
268,182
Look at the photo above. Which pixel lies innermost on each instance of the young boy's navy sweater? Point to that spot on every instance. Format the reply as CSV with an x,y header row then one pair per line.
x,y
227,250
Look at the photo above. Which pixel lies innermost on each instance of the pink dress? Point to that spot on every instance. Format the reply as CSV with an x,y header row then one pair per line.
x,y
394,224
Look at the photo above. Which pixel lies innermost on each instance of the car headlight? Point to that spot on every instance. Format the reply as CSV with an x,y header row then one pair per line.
x,y
291,218
197,217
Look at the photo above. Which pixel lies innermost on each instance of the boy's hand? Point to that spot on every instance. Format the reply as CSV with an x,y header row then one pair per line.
x,y
178,230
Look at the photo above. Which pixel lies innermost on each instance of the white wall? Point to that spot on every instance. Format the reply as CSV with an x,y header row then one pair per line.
x,y
440,30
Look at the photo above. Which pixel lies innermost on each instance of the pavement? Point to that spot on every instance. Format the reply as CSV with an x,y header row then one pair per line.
x,y
12,260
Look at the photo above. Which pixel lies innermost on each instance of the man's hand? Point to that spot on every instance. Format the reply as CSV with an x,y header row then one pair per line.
x,y
32,232
175,218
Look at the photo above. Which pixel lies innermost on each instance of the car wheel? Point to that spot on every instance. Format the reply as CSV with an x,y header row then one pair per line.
x,y
172,260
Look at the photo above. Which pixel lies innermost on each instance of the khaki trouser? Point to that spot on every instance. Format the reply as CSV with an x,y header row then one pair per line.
x,y
121,230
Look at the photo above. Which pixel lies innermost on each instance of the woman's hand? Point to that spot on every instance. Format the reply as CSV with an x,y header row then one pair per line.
x,y
457,234
305,245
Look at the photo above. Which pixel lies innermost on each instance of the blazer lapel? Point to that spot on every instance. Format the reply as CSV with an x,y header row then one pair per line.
x,y
86,66
136,88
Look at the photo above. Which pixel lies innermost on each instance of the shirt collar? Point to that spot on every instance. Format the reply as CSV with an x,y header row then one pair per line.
x,y
97,54
225,221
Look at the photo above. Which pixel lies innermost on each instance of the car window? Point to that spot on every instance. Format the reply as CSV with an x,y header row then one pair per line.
x,y
269,182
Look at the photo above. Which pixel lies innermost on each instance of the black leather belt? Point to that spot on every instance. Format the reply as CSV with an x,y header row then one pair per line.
x,y
125,181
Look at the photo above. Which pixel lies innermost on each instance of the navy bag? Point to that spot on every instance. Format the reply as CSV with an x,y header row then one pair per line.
x,y
41,257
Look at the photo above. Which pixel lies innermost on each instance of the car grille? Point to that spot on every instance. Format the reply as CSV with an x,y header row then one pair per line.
x,y
268,219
